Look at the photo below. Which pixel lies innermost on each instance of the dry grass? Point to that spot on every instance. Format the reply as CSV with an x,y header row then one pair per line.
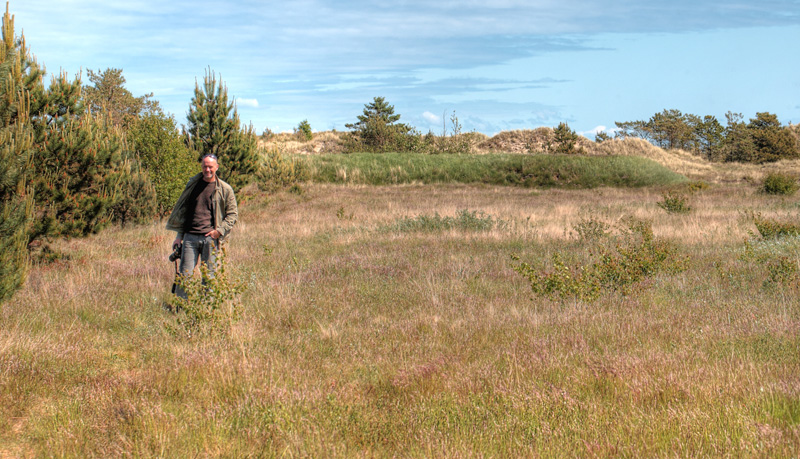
x,y
361,341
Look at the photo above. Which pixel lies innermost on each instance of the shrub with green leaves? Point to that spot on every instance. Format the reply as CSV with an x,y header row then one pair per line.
x,y
156,142
675,202
775,227
779,184
212,303
637,255
590,229
303,131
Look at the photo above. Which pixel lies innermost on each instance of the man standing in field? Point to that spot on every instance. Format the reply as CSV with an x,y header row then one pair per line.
x,y
203,216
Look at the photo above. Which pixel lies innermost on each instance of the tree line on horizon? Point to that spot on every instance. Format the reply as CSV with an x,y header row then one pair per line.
x,y
763,139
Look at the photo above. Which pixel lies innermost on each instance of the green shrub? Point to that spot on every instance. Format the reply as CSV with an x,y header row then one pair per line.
x,y
779,184
565,141
212,303
696,186
590,229
773,228
637,255
303,131
675,202
279,171
157,143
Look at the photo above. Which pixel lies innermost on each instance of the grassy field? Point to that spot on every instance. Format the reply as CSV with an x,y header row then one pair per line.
x,y
563,171
389,321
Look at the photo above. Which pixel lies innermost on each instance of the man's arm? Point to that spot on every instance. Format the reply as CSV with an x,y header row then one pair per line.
x,y
231,214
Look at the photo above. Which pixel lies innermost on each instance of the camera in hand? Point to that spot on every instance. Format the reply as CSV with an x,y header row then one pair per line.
x,y
176,253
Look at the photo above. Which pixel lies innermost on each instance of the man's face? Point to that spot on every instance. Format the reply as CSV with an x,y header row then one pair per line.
x,y
210,167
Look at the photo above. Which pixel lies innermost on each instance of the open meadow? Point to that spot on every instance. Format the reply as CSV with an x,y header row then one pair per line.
x,y
389,320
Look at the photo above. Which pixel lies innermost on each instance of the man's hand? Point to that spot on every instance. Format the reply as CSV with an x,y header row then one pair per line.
x,y
177,241
214,234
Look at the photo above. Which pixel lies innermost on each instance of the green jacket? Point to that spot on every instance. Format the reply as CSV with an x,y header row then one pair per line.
x,y
223,208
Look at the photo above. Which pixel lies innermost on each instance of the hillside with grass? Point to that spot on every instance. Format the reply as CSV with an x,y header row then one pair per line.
x,y
534,141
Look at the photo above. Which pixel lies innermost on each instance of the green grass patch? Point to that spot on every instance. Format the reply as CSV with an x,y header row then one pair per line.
x,y
463,220
561,171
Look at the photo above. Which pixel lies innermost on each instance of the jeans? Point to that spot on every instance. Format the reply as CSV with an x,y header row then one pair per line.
x,y
196,246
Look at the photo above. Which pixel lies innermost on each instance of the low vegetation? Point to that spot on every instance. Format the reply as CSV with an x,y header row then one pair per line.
x,y
566,171
393,293
421,340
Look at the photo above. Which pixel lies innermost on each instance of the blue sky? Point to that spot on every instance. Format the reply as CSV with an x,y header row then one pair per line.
x,y
500,64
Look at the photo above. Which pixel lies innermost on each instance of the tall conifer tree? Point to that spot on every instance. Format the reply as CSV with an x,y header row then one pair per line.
x,y
20,89
214,128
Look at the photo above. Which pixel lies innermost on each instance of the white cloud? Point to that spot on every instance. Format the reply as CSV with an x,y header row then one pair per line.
x,y
247,102
595,131
431,118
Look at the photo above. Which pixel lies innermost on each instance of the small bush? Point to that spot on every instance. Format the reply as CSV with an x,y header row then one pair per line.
x,y
779,184
590,229
212,303
675,202
303,131
700,185
638,255
773,228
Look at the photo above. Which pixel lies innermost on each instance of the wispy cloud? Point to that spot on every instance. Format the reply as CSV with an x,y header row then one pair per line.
x,y
323,60
240,102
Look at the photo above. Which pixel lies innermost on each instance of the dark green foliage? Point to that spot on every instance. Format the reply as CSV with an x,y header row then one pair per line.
x,y
79,175
303,131
138,203
761,140
156,142
563,171
108,95
635,256
377,129
781,184
565,141
19,86
241,158
601,137
214,128
668,129
709,137
772,141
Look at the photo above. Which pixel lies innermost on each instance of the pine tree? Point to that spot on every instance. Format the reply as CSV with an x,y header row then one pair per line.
x,y
214,128
377,129
19,88
78,170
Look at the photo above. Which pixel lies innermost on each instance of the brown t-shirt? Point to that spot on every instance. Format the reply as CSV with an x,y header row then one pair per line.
x,y
198,208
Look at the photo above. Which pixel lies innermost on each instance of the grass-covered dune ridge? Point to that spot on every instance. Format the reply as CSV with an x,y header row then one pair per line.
x,y
370,327
566,171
